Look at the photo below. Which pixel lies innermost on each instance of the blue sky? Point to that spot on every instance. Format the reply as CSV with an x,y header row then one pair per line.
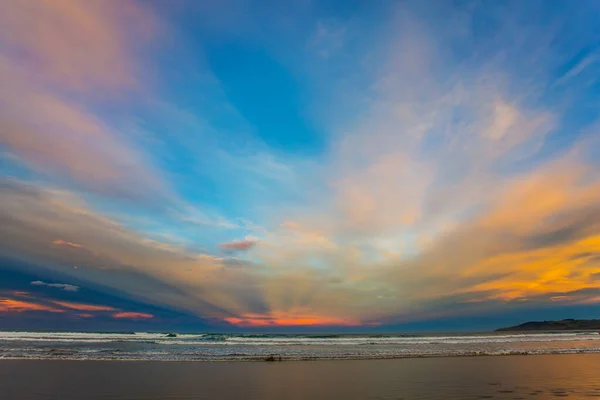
x,y
299,165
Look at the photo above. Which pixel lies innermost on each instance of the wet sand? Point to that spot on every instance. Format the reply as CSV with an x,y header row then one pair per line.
x,y
505,377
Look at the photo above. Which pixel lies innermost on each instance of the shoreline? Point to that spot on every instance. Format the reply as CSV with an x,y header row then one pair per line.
x,y
309,359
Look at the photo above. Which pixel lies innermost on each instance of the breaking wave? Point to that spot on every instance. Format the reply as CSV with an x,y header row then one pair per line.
x,y
249,347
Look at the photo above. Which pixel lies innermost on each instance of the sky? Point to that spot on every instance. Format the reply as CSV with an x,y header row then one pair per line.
x,y
298,166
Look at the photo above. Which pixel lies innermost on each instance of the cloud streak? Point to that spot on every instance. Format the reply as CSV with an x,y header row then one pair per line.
x,y
51,40
26,302
132,315
61,242
64,286
18,306
82,306
49,72
465,179
241,245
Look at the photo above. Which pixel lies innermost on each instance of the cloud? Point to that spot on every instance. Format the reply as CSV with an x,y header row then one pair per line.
x,y
132,315
578,68
64,286
13,305
460,184
61,242
19,305
52,66
82,306
60,138
241,245
441,191
328,38
153,271
55,45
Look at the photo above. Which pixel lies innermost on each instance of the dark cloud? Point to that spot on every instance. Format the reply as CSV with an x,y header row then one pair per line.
x,y
242,245
64,286
567,226
556,237
587,256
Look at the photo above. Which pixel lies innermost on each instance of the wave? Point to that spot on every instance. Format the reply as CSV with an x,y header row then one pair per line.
x,y
167,356
252,347
203,339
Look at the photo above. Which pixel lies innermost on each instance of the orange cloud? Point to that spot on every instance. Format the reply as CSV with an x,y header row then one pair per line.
x,y
83,306
17,306
132,315
61,242
11,305
556,269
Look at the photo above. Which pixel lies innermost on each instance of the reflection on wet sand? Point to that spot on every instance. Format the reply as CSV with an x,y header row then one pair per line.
x,y
464,378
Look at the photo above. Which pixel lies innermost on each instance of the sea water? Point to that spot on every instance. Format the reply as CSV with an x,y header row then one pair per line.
x,y
249,347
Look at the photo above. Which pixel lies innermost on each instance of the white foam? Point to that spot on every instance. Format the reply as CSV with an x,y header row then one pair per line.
x,y
220,340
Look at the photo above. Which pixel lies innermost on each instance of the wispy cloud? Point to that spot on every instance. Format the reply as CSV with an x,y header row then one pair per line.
x,y
578,68
13,305
463,178
328,38
25,302
132,315
46,62
64,286
83,306
53,46
60,242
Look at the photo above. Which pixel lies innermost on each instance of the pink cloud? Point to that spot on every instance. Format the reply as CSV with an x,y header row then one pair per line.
x,y
57,137
132,315
83,306
53,47
242,245
61,242
77,44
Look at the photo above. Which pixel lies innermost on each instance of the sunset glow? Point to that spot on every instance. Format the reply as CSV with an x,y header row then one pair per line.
x,y
288,320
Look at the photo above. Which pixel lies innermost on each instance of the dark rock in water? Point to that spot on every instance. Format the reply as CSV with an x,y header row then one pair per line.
x,y
562,325
171,335
273,358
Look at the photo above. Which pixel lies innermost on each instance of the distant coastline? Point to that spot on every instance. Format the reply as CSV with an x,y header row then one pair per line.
x,y
562,325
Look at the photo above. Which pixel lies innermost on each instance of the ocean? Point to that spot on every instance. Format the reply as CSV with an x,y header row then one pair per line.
x,y
143,346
